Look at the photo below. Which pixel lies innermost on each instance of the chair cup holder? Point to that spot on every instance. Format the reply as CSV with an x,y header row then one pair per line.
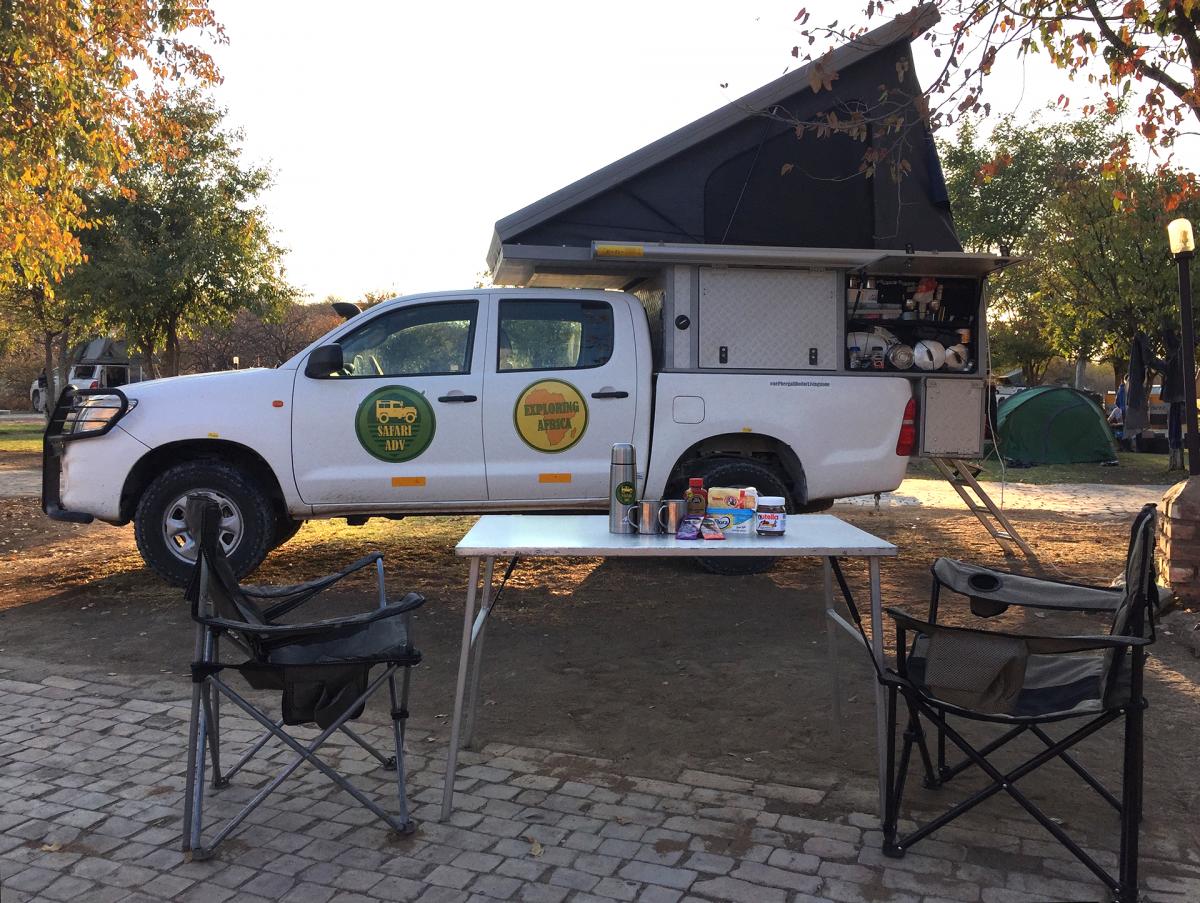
x,y
984,583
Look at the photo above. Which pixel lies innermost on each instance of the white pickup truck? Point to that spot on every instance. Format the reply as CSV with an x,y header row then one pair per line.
x,y
460,402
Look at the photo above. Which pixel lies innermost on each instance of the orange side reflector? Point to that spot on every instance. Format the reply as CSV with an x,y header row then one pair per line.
x,y
277,403
398,482
554,478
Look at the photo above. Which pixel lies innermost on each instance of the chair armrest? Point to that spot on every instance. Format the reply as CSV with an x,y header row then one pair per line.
x,y
1037,644
293,596
281,631
1003,588
275,592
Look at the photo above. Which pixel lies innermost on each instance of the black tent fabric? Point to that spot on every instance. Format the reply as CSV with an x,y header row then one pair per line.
x,y
743,176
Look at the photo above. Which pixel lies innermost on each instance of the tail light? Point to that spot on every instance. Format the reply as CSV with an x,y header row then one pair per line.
x,y
906,442
95,384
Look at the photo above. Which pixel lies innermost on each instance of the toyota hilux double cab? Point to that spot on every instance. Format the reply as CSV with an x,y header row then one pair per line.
x,y
491,400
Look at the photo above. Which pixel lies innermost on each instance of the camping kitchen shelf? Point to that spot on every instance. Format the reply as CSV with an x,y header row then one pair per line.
x,y
882,302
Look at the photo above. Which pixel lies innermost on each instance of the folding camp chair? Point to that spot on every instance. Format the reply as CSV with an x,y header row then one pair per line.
x,y
1024,682
322,668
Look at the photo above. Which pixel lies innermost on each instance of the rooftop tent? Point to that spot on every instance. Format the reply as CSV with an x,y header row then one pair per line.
x,y
742,176
1053,425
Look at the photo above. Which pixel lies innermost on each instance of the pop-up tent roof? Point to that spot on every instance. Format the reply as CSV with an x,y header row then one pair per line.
x,y
1053,425
743,176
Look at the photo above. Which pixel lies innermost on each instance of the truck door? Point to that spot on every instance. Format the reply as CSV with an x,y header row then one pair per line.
x,y
561,388
400,425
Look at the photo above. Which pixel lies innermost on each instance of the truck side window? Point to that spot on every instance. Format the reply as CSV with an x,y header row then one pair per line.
x,y
554,335
423,340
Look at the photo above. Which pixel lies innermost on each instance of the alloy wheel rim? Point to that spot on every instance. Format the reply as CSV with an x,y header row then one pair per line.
x,y
179,538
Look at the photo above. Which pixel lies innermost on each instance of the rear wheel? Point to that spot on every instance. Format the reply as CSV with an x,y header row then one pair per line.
x,y
36,402
739,474
247,520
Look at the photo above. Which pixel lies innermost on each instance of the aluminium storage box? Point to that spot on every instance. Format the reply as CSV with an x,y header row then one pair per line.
x,y
952,413
764,319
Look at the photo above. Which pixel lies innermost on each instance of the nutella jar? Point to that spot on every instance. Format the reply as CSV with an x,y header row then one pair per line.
x,y
771,518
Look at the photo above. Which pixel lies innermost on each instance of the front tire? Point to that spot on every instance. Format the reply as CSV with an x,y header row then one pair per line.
x,y
247,519
37,404
739,474
285,529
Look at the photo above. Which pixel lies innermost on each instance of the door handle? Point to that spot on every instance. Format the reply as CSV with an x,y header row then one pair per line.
x,y
616,394
458,398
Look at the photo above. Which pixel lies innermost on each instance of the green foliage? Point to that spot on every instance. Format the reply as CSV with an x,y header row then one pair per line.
x,y
1018,340
183,243
999,186
1107,273
75,78
1093,234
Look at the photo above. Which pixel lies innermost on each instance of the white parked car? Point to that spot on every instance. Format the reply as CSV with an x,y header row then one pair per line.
x,y
80,376
470,401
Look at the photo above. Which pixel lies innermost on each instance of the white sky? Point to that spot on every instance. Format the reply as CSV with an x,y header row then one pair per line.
x,y
400,132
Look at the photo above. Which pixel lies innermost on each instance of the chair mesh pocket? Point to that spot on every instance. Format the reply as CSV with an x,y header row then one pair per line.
x,y
322,694
978,671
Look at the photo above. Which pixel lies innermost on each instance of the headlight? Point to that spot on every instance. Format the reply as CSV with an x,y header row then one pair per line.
x,y
94,412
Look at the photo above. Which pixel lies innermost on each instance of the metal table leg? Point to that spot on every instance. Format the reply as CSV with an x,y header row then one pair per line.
x,y
881,722
831,629
464,656
485,613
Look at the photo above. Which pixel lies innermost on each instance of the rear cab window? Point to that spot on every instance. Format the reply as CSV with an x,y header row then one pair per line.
x,y
553,335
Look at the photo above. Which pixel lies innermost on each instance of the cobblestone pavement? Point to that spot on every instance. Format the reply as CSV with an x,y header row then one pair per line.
x,y
91,776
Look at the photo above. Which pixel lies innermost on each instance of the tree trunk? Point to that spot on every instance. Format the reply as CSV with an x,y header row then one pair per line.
x,y
64,359
51,394
149,365
171,355
1034,371
1120,367
1080,371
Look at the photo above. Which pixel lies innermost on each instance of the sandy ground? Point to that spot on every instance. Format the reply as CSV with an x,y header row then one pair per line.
x,y
1082,499
644,661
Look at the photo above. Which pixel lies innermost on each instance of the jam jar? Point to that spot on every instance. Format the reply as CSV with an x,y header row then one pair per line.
x,y
771,519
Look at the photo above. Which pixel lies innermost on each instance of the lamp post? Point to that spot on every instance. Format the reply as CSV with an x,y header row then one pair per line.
x,y
1183,247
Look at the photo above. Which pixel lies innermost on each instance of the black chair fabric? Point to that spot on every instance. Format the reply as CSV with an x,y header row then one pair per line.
x,y
1026,681
322,670
321,666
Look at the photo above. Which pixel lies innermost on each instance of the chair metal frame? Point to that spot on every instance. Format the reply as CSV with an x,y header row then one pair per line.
x,y
208,686
1128,649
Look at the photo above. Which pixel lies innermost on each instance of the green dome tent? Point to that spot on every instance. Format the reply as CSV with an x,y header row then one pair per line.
x,y
1053,425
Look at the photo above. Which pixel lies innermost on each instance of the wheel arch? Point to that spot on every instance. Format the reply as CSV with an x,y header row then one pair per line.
x,y
157,460
761,448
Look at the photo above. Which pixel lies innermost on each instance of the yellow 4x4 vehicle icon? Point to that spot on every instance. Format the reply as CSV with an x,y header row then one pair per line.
x,y
386,410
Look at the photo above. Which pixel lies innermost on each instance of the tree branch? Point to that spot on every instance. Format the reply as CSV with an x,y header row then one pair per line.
x,y
1127,50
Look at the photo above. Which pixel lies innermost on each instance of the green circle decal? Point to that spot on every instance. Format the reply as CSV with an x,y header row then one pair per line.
x,y
395,423
625,493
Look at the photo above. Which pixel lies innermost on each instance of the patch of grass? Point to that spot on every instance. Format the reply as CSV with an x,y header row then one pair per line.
x,y
21,438
1133,469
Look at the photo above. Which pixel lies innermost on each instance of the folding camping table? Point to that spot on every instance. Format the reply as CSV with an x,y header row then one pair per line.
x,y
506,535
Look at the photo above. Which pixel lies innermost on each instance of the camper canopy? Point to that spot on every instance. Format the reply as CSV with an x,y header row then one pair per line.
x,y
742,176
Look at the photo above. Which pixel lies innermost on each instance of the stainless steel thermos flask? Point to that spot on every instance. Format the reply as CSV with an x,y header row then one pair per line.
x,y
622,488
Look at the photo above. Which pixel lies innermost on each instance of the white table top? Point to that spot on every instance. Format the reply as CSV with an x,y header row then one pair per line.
x,y
552,535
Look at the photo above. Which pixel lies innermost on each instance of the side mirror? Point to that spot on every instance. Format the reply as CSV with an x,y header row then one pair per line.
x,y
346,309
324,362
